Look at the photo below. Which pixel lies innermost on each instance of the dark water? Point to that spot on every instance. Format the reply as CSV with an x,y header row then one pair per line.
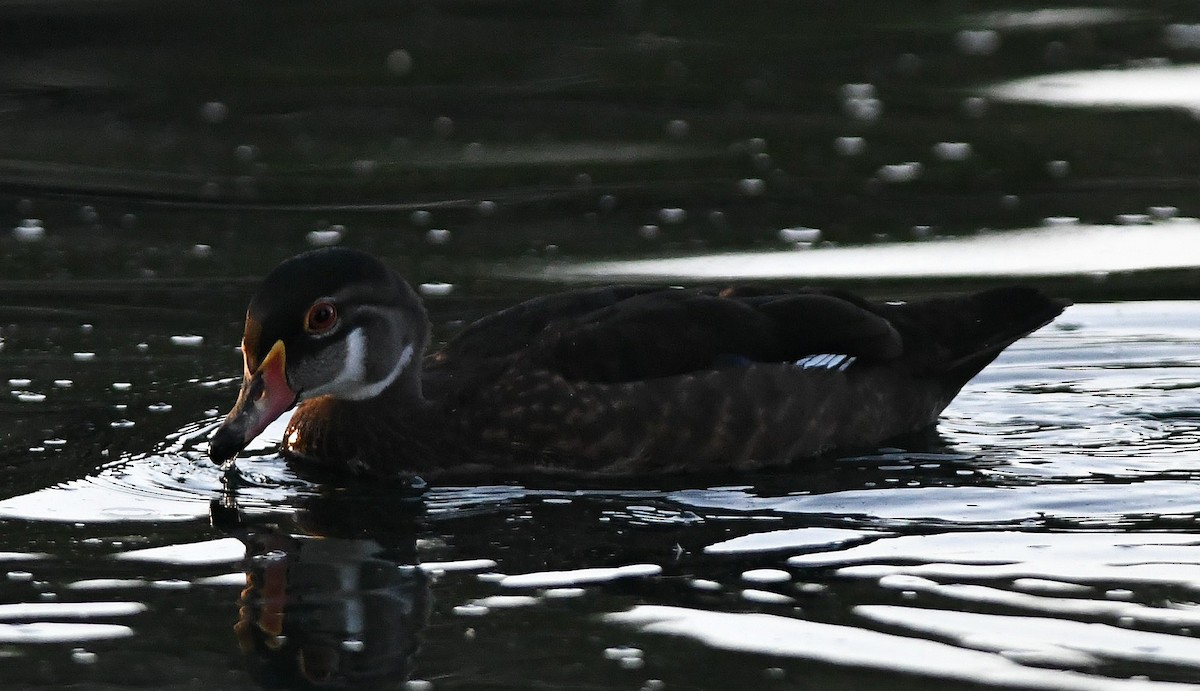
x,y
156,159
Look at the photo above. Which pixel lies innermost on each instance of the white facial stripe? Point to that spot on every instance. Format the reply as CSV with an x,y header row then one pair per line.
x,y
373,390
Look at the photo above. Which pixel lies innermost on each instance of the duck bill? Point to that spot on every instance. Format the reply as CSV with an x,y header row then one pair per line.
x,y
265,395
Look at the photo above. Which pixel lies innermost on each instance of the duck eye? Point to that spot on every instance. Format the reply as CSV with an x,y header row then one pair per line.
x,y
320,318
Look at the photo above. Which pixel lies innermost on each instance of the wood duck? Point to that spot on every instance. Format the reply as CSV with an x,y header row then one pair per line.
x,y
617,380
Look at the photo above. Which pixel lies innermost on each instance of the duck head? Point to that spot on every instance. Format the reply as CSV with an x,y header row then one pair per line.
x,y
331,322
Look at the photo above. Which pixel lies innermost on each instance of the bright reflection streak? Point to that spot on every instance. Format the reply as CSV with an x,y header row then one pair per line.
x,y
1171,86
1060,251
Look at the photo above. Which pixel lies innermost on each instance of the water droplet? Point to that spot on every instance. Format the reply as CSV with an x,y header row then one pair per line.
x,y
324,238
143,347
752,187
437,236
87,214
977,42
188,340
621,652
30,230
353,646
1133,219
214,112
672,215
1059,221
420,217
677,129
122,424
898,173
952,151
1058,169
83,356
443,126
30,397
201,251
121,386
83,657
63,383
20,576
863,109
649,231
850,146
436,289
399,62
975,106
246,153
20,383
159,407
800,234
1163,212
487,207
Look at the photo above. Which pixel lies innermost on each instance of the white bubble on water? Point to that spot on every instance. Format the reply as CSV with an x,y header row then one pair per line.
x,y
443,126
898,173
327,237
977,41
850,146
952,151
1058,168
437,236
799,234
29,230
399,62
187,340
245,153
677,129
752,187
975,106
214,112
436,289
672,215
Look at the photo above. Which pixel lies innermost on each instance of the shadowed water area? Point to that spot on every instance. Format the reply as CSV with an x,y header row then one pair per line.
x,y
157,159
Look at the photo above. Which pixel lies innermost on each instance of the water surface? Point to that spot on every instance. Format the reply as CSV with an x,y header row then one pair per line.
x,y
156,159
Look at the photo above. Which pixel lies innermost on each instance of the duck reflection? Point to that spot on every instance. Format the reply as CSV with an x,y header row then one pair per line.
x,y
334,598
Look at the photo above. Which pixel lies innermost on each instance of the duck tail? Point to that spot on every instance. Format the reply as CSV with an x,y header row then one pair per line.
x,y
991,321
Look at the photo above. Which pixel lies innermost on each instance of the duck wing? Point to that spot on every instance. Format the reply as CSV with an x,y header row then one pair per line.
x,y
663,333
631,333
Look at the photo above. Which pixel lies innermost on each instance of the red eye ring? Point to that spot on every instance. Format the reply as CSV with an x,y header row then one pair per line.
x,y
321,317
